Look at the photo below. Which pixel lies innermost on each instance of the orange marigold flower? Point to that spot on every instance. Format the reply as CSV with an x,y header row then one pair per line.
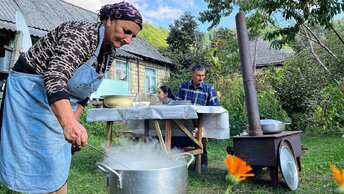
x,y
237,169
339,177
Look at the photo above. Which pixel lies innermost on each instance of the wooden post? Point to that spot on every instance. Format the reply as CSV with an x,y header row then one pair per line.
x,y
158,131
199,138
168,134
188,133
146,126
198,141
109,125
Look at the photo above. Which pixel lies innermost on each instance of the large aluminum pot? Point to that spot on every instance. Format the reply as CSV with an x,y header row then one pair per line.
x,y
147,177
270,126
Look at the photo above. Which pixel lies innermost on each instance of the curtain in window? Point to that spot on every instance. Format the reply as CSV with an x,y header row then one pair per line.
x,y
150,81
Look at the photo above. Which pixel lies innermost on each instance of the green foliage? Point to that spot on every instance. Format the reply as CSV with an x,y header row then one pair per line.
x,y
231,96
182,32
93,128
328,114
175,80
269,103
185,43
311,92
258,24
154,36
222,52
216,9
96,129
297,86
263,13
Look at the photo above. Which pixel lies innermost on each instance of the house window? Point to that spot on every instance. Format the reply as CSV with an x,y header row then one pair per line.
x,y
121,70
150,81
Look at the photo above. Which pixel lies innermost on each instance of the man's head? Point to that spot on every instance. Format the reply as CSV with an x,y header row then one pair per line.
x,y
122,22
197,74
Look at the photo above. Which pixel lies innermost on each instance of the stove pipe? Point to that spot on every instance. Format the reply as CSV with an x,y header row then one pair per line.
x,y
248,77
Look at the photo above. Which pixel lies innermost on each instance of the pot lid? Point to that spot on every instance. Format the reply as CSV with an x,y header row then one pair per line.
x,y
269,121
288,167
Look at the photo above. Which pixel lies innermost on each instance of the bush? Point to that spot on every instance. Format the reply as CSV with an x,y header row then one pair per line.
x,y
98,129
232,98
329,112
269,103
93,128
310,97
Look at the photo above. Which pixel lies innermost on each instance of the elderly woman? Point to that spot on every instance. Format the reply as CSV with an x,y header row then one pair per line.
x,y
45,95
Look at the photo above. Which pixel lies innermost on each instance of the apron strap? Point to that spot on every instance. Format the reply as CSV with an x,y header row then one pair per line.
x,y
101,39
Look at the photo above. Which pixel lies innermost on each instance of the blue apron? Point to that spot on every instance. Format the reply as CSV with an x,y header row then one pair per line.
x,y
34,155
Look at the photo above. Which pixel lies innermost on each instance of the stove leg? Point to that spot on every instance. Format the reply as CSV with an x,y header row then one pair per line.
x,y
298,162
274,175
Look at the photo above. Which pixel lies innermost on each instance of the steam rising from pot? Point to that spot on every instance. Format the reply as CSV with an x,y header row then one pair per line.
x,y
127,150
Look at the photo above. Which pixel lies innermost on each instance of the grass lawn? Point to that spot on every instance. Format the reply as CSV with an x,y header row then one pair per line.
x,y
315,177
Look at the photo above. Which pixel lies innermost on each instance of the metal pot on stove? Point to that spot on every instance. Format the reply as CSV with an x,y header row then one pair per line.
x,y
270,126
147,177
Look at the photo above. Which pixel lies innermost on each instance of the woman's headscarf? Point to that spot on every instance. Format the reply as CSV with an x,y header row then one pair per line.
x,y
121,11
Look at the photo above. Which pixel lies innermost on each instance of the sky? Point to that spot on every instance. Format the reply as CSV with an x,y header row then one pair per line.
x,y
161,13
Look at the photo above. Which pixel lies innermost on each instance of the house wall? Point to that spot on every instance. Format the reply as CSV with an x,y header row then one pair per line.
x,y
137,69
137,76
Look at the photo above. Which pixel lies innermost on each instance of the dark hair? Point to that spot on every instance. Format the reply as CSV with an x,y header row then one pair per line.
x,y
121,11
167,90
198,67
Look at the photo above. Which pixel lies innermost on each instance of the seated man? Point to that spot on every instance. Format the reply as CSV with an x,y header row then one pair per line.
x,y
199,93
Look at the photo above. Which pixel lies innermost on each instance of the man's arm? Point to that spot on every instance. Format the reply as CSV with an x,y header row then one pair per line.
x,y
213,100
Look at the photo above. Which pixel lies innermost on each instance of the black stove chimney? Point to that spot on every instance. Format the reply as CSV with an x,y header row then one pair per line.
x,y
248,77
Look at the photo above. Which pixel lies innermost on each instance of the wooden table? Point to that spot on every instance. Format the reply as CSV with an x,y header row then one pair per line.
x,y
211,121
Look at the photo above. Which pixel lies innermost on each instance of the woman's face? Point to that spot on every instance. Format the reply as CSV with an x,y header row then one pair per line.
x,y
161,95
120,32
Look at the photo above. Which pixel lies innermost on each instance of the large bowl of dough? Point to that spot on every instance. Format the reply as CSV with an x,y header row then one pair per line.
x,y
118,101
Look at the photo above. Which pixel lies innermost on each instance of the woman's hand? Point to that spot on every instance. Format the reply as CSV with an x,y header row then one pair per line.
x,y
73,131
76,134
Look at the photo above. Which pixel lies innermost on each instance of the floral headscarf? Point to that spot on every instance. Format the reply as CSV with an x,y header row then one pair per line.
x,y
121,11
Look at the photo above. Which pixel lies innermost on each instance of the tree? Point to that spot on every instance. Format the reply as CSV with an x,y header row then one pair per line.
x,y
262,14
184,43
222,52
307,90
182,33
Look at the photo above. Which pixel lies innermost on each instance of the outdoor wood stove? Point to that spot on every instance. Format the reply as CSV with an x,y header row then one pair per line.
x,y
264,150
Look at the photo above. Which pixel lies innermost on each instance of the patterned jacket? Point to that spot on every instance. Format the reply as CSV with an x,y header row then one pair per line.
x,y
59,53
